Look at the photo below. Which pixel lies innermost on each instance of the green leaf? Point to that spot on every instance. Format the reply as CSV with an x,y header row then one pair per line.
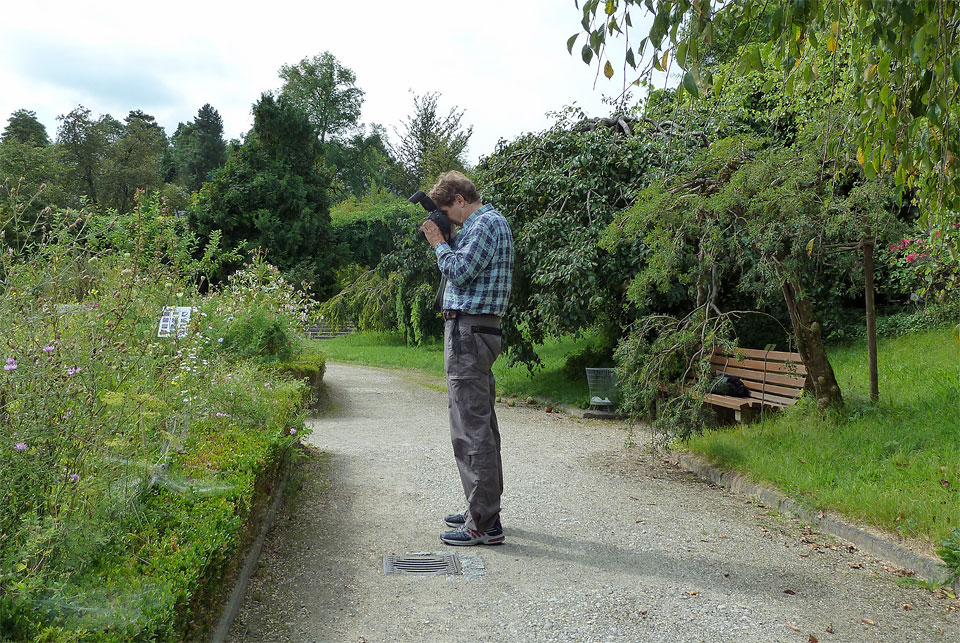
x,y
751,59
718,82
587,54
610,7
883,67
956,69
608,70
682,54
630,59
690,84
570,42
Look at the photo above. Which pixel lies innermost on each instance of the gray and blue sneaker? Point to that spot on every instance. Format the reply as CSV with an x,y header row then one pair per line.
x,y
463,537
456,520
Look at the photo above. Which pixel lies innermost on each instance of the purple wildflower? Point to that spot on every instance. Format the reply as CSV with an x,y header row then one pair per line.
x,y
293,431
11,364
20,446
48,349
73,370
74,477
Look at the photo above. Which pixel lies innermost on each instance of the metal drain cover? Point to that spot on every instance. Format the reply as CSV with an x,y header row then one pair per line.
x,y
436,564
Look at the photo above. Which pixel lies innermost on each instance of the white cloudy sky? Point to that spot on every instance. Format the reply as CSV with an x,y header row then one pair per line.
x,y
503,62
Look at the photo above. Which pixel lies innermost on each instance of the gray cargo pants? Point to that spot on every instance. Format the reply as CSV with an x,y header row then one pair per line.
x,y
471,344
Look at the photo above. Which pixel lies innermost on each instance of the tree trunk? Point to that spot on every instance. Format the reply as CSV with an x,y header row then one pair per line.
x,y
871,317
821,381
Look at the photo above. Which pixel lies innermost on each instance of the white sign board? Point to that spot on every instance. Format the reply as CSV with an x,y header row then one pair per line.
x,y
174,319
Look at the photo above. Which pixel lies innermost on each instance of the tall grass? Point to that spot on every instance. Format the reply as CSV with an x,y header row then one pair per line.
x,y
895,465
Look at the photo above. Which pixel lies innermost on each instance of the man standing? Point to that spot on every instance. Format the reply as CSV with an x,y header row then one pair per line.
x,y
478,277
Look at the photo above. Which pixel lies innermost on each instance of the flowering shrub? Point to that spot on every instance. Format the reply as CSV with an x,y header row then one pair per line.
x,y
923,268
128,461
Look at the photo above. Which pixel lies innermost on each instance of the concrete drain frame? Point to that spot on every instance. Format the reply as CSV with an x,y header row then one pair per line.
x,y
422,564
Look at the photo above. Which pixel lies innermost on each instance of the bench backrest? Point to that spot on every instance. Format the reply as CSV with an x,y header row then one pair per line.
x,y
774,377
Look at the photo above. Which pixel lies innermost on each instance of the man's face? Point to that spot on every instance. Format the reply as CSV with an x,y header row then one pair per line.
x,y
456,211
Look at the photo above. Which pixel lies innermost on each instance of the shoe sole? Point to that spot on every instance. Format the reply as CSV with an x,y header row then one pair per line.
x,y
498,540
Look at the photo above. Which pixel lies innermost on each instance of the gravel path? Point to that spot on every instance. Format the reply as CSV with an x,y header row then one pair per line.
x,y
604,542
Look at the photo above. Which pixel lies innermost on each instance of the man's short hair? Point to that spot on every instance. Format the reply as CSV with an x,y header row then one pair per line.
x,y
449,185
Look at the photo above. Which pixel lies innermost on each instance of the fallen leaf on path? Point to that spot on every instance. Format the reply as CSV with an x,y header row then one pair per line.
x,y
830,629
793,627
820,515
867,621
855,565
907,606
694,592
813,639
789,591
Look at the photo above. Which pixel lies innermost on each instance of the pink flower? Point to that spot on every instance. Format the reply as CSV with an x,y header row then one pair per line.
x,y
911,257
48,349
293,431
893,247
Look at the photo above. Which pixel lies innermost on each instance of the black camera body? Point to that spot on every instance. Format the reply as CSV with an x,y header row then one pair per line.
x,y
434,214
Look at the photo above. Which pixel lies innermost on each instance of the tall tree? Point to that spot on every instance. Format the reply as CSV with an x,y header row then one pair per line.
x,y
272,195
429,144
23,127
133,161
326,91
197,148
84,143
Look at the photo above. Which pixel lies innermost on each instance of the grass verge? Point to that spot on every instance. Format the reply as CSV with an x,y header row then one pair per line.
x,y
388,350
895,465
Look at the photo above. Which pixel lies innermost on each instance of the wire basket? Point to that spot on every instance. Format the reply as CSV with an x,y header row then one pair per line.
x,y
602,383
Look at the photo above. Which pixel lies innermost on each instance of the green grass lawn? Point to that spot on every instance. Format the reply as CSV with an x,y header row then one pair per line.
x,y
895,465
388,350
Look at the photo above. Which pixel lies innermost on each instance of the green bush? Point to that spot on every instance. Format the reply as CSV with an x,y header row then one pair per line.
x,y
131,462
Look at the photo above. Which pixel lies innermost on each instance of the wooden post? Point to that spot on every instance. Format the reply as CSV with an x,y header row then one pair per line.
x,y
868,245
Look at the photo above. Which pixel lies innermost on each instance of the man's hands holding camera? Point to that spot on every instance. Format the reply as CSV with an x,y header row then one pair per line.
x,y
432,233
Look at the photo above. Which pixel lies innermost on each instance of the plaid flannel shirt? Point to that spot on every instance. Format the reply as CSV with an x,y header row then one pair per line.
x,y
480,271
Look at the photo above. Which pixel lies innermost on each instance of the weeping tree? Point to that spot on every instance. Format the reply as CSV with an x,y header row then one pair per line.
x,y
752,219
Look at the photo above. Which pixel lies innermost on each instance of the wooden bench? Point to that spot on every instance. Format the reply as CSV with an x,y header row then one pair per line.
x,y
774,378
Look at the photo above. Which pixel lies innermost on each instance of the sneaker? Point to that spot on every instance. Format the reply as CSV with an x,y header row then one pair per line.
x,y
463,537
456,520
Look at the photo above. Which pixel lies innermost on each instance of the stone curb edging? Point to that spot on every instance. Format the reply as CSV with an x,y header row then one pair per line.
x,y
925,566
239,593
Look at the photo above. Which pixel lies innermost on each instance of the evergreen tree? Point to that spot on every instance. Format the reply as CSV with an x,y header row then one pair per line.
x,y
23,127
272,195
197,148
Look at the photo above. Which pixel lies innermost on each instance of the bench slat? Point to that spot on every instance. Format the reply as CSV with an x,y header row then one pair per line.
x,y
788,391
759,365
775,356
729,401
772,400
770,378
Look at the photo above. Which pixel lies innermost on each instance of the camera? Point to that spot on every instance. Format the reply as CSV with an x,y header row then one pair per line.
x,y
434,214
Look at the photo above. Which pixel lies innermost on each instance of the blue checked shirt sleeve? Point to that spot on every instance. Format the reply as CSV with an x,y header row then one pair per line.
x,y
461,266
